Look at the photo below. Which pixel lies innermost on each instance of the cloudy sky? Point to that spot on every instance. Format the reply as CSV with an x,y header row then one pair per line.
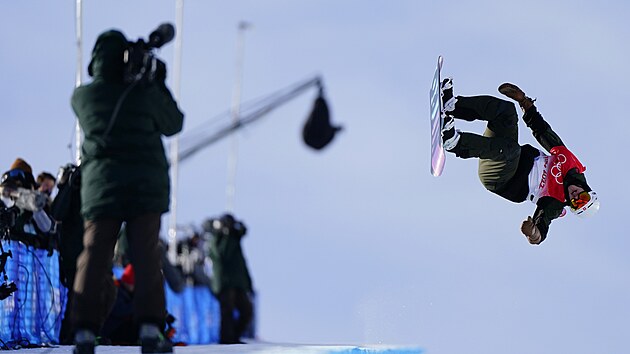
x,y
359,243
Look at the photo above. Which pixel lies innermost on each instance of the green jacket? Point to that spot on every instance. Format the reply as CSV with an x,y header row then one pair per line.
x,y
124,172
229,269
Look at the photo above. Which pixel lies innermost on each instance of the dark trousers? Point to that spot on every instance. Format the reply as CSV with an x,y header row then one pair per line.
x,y
94,271
497,149
231,329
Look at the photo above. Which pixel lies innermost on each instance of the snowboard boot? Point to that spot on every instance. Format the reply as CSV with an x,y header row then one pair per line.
x,y
450,136
446,90
515,93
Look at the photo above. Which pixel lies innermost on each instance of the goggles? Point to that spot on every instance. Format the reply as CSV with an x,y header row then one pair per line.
x,y
14,175
582,199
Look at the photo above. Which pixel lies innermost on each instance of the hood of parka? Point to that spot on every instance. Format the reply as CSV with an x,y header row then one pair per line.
x,y
107,56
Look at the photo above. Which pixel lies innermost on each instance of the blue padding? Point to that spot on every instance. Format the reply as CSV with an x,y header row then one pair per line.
x,y
197,315
32,314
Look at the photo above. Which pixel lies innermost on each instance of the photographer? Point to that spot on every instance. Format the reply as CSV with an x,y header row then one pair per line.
x,y
231,281
124,179
22,217
32,224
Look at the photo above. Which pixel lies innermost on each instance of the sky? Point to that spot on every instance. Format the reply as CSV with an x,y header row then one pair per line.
x,y
359,243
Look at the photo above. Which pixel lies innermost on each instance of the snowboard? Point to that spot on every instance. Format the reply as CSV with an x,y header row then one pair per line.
x,y
438,156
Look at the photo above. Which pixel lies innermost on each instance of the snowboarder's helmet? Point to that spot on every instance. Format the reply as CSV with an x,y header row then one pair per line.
x,y
585,205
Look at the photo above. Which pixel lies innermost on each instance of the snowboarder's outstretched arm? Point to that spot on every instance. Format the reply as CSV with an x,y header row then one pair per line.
x,y
536,227
541,130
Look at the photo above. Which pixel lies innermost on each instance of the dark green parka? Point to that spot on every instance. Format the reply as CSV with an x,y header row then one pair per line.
x,y
124,172
229,267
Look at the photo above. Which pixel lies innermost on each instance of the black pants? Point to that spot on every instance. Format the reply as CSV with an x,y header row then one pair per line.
x,y
94,271
231,329
497,149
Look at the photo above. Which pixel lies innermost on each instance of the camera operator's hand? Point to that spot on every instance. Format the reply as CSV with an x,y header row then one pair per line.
x,y
160,71
239,228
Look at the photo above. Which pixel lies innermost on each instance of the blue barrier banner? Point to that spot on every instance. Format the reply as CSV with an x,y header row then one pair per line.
x,y
197,315
33,313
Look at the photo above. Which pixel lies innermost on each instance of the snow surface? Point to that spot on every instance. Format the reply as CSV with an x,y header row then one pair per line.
x,y
249,348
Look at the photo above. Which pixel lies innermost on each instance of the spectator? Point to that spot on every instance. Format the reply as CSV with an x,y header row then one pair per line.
x,y
191,255
46,183
119,327
124,178
231,281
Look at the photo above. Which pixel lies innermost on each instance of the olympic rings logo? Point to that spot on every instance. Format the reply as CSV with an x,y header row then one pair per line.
x,y
556,169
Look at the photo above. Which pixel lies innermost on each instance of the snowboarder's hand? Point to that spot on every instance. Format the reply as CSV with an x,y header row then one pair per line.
x,y
529,229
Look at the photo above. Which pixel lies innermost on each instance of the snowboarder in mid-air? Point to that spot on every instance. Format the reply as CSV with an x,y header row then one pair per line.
x,y
518,172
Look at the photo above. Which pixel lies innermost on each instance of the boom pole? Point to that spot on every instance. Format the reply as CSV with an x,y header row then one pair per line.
x,y
251,117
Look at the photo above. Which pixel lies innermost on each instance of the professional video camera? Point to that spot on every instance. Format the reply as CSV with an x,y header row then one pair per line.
x,y
6,288
140,61
225,225
8,217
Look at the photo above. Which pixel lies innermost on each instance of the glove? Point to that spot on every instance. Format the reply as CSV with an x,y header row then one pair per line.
x,y
30,200
529,229
160,71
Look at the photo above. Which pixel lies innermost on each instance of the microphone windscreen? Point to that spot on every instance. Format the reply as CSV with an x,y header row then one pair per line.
x,y
162,35
317,131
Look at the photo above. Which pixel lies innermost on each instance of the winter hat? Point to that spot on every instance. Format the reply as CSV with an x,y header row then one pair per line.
x,y
20,164
19,175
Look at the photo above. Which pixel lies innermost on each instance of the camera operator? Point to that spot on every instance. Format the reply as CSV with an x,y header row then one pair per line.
x,y
231,281
124,178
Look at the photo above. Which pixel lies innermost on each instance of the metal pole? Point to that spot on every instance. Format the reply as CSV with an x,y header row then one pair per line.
x,y
235,113
79,74
172,231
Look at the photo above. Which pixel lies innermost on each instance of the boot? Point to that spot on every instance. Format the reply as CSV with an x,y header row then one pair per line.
x,y
158,344
450,136
446,90
84,342
83,348
153,341
515,93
